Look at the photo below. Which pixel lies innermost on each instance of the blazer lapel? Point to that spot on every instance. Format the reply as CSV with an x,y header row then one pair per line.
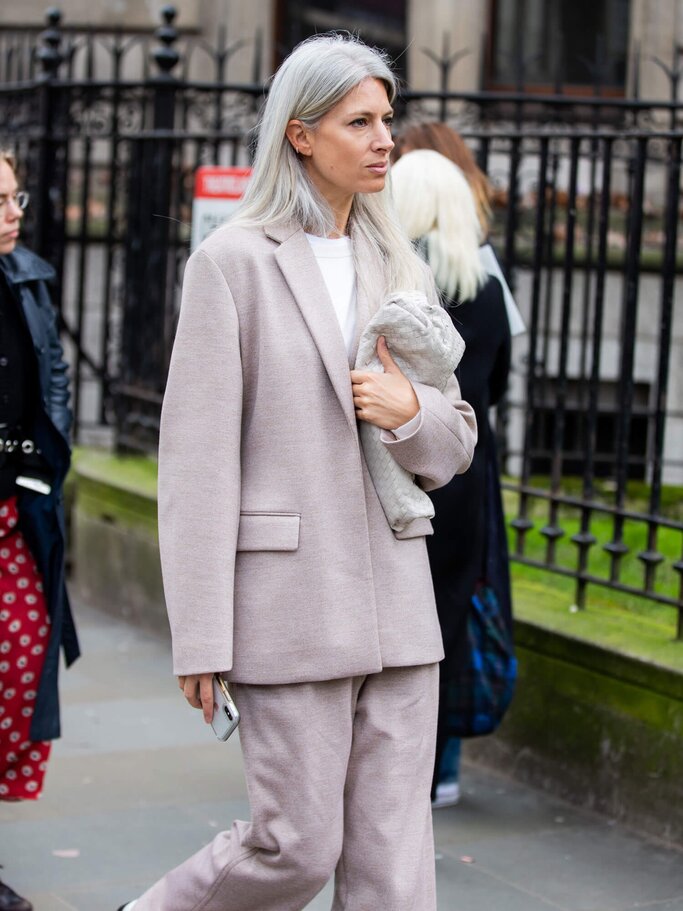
x,y
302,273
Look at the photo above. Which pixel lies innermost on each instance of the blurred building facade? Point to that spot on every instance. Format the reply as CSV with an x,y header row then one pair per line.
x,y
500,44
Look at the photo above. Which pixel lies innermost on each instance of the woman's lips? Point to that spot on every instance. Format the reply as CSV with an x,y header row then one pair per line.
x,y
380,168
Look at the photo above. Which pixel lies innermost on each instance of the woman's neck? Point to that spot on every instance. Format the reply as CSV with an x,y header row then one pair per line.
x,y
341,220
340,206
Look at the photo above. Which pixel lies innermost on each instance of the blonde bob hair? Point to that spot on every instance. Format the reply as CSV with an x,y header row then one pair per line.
x,y
311,81
435,204
444,139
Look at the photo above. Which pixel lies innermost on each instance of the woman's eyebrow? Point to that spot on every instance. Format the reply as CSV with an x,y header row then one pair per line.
x,y
388,113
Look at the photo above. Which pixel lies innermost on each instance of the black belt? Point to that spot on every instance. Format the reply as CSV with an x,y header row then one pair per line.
x,y
26,447
24,460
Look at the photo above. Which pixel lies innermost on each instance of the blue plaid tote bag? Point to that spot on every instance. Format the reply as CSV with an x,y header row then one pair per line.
x,y
480,694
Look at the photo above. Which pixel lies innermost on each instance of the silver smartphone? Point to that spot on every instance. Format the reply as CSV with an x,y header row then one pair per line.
x,y
225,715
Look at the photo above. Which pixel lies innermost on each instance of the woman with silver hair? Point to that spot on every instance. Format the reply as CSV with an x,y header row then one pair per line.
x,y
281,571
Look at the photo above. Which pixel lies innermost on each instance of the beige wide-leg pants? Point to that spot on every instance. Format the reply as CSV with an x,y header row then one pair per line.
x,y
339,776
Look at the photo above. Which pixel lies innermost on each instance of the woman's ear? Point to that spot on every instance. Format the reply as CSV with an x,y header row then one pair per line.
x,y
297,134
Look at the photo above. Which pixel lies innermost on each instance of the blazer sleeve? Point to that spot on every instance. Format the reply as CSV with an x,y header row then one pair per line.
x,y
199,472
444,441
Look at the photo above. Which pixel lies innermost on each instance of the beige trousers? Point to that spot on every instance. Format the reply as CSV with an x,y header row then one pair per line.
x,y
339,776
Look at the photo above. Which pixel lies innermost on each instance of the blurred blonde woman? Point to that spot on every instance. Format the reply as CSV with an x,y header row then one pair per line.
x,y
441,138
438,211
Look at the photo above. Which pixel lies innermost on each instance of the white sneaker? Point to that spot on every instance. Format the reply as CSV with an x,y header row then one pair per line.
x,y
447,795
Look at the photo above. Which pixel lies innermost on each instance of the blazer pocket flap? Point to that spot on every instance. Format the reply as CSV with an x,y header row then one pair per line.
x,y
268,531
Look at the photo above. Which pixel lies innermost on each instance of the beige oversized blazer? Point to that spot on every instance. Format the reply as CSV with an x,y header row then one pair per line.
x,y
278,562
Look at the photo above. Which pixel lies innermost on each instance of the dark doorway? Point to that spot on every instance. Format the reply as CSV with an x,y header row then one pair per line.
x,y
546,44
380,23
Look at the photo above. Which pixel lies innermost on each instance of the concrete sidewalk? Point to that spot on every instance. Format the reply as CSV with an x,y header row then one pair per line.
x,y
138,783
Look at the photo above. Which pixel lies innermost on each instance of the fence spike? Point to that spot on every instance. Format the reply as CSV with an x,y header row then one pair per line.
x,y
50,53
166,56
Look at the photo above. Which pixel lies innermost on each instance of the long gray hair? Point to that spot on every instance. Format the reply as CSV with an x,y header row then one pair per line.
x,y
311,81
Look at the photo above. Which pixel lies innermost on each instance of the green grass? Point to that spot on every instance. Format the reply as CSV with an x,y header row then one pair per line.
x,y
634,536
630,624
137,474
610,619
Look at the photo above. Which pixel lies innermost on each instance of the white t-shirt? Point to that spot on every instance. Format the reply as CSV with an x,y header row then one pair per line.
x,y
335,258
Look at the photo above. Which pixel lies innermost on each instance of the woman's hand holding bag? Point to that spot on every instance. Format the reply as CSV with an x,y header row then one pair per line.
x,y
387,399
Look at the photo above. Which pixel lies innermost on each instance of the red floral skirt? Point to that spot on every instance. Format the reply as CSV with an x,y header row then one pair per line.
x,y
24,632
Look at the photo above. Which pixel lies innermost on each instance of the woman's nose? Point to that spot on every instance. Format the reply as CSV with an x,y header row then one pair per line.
x,y
383,139
13,209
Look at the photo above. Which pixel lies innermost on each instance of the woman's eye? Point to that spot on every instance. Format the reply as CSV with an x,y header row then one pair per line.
x,y
359,122
389,121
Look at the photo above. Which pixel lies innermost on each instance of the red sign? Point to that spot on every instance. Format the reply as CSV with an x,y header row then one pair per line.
x,y
217,192
220,183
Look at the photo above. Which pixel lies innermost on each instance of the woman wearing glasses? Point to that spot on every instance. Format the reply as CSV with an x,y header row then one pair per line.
x,y
35,421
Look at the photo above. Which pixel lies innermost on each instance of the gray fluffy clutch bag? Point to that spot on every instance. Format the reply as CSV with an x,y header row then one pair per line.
x,y
427,347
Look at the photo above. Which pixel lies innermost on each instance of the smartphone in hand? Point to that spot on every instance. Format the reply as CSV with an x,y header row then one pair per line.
x,y
225,714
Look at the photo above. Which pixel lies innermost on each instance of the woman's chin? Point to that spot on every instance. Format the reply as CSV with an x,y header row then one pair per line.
x,y
374,186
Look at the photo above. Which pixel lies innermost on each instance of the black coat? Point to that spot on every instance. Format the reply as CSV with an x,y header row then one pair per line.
x,y
465,510
41,515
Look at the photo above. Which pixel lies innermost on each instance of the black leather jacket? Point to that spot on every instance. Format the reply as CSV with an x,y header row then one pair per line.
x,y
28,274
42,516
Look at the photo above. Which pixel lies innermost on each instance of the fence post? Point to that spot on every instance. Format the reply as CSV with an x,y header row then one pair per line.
x,y
149,257
49,236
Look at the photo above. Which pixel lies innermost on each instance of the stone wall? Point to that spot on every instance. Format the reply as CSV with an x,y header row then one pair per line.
x,y
600,729
204,17
655,29
114,545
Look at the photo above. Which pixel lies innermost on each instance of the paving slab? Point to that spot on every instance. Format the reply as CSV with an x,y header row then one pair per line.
x,y
138,783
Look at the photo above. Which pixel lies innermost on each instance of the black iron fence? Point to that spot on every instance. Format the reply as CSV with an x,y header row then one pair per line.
x,y
587,209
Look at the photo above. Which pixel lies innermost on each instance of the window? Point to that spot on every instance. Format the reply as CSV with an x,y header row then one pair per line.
x,y
380,23
607,425
550,43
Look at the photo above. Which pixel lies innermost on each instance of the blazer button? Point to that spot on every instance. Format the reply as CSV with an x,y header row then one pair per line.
x,y
3,361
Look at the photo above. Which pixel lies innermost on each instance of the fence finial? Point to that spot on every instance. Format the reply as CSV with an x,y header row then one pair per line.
x,y
166,56
50,54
